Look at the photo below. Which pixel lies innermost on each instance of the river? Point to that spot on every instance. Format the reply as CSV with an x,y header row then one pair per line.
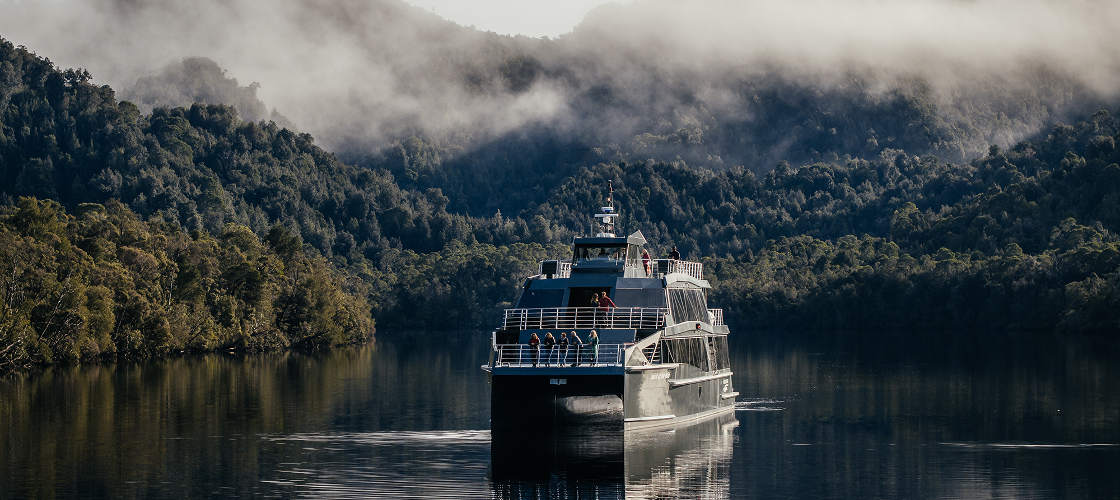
x,y
407,417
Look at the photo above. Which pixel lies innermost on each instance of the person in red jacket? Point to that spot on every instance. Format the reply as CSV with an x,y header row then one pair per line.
x,y
535,347
605,306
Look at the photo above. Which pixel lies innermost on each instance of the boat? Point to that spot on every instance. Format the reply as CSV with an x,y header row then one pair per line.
x,y
662,356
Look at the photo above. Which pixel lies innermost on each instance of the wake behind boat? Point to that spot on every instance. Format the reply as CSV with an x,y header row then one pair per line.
x,y
652,354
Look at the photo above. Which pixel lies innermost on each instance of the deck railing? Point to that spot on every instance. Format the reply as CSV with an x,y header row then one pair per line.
x,y
523,355
670,266
585,317
652,353
716,315
660,267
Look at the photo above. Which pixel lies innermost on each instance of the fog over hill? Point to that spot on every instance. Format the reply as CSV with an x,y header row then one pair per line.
x,y
714,82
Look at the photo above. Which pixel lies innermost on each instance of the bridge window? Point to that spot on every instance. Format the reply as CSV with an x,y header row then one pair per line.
x,y
617,252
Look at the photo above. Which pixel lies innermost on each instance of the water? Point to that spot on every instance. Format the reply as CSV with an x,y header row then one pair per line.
x,y
408,417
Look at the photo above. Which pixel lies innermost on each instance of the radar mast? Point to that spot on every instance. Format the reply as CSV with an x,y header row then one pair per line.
x,y
607,216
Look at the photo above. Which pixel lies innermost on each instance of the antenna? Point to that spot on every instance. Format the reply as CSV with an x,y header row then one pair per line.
x,y
607,215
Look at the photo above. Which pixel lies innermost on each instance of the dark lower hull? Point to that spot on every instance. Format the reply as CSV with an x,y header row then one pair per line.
x,y
545,401
638,398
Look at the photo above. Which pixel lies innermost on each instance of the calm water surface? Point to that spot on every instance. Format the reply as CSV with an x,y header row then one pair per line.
x,y
408,417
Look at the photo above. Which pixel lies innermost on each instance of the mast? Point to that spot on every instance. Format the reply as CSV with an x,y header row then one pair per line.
x,y
607,215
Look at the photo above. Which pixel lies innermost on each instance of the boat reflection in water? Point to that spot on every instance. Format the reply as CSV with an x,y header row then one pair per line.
x,y
601,460
692,461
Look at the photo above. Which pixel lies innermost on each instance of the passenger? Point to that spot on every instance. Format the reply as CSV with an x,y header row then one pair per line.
x,y
605,306
535,348
549,343
584,254
602,252
605,302
595,307
594,341
577,343
674,254
562,354
647,261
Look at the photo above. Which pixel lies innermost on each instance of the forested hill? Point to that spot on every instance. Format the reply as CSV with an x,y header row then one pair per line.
x,y
234,221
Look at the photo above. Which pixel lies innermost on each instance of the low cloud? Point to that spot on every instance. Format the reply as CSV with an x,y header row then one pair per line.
x,y
361,74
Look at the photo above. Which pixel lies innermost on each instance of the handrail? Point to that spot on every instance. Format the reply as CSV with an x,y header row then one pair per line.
x,y
670,266
661,267
524,355
716,316
585,317
652,353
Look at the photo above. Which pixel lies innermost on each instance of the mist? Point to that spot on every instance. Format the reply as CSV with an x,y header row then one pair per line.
x,y
653,77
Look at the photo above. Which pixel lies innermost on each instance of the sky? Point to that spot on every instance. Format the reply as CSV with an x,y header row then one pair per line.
x,y
532,18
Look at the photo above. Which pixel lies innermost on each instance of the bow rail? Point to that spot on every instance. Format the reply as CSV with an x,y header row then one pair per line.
x,y
524,355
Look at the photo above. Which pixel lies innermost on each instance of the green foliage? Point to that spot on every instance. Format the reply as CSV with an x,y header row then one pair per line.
x,y
103,282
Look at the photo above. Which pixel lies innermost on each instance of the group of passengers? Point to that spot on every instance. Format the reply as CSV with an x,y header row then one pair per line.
x,y
567,349
602,301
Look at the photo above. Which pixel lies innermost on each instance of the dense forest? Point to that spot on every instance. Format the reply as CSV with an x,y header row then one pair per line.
x,y
189,228
101,281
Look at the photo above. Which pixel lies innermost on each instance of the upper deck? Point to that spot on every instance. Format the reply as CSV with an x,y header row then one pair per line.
x,y
659,268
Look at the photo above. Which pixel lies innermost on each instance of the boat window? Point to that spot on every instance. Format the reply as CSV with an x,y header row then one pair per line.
x,y
720,355
616,252
690,351
687,305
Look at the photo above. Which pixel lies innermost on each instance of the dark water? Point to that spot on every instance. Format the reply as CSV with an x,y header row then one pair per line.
x,y
408,418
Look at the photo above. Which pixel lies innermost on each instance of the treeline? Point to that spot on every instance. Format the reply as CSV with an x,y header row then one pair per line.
x,y
867,285
102,282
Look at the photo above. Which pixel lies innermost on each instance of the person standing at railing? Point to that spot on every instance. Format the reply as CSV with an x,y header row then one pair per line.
x,y
674,254
549,344
594,310
594,341
647,261
562,356
577,344
605,305
535,348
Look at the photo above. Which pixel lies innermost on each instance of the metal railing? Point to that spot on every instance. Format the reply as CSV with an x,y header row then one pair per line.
x,y
652,353
669,266
716,316
585,317
523,355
